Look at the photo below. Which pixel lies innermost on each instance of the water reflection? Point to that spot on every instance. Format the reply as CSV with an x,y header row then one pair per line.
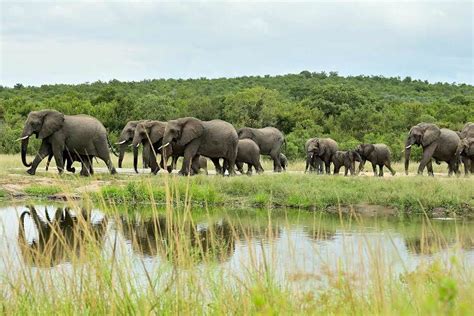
x,y
180,241
60,239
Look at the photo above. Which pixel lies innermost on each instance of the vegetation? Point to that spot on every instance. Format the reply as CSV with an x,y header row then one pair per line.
x,y
348,109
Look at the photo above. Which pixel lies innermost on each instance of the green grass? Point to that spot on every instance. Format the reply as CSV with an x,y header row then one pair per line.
x,y
42,190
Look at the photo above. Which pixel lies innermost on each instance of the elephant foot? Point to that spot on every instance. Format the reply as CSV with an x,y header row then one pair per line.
x,y
72,170
113,171
31,172
394,173
84,174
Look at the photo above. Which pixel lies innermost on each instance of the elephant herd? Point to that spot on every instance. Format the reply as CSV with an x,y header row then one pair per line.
x,y
70,138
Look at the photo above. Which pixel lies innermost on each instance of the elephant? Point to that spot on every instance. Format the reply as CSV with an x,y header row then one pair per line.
x,y
466,151
150,134
82,135
59,239
323,148
203,164
346,159
438,144
213,139
176,151
313,163
378,155
283,161
125,140
268,139
248,152
70,158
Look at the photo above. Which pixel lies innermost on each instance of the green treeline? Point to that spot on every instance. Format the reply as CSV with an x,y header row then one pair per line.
x,y
349,109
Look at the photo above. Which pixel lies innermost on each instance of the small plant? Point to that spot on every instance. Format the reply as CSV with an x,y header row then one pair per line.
x,y
42,190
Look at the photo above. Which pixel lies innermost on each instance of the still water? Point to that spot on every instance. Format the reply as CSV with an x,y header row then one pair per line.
x,y
305,248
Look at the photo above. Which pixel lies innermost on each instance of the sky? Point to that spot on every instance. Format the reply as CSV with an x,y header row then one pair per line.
x,y
85,41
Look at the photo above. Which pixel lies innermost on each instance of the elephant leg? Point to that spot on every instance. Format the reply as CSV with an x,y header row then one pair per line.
x,y
380,170
58,150
249,169
327,164
427,155
389,167
44,150
195,165
217,166
361,166
240,167
336,169
102,149
429,167
189,152
86,167
374,168
275,155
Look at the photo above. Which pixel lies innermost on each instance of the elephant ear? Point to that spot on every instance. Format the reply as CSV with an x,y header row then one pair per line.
x,y
368,149
52,122
432,133
157,131
191,128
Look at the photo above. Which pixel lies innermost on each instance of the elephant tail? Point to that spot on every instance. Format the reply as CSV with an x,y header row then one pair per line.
x,y
112,149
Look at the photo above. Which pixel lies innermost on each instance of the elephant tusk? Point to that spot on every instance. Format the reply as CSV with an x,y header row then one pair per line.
x,y
408,147
137,145
122,142
21,138
163,146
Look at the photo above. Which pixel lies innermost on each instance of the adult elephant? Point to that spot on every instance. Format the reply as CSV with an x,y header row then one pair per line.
x,y
378,155
213,139
313,163
126,138
150,134
268,139
323,148
439,144
79,134
467,148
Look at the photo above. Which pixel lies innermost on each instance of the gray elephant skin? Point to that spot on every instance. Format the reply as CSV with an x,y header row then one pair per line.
x,y
268,139
248,152
378,155
323,148
150,134
441,144
467,148
347,159
70,158
213,139
313,163
125,140
283,161
79,134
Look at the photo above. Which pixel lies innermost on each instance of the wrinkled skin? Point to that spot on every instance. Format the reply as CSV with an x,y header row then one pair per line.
x,y
59,239
268,139
323,148
313,162
346,159
466,150
150,134
213,139
438,144
248,152
378,155
80,134
70,158
125,140
162,236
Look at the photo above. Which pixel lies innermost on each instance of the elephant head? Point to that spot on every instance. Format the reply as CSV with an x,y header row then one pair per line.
x,y
42,124
353,156
148,133
423,134
466,147
365,150
182,131
126,136
246,132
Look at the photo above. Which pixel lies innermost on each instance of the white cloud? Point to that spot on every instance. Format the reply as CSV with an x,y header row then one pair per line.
x,y
86,41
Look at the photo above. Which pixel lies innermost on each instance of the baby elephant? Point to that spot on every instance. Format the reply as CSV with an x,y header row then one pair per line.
x,y
346,159
378,155
248,152
283,161
203,164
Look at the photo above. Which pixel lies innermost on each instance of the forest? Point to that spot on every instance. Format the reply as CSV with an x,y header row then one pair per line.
x,y
351,110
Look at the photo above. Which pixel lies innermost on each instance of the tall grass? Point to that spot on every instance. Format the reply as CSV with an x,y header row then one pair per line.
x,y
97,275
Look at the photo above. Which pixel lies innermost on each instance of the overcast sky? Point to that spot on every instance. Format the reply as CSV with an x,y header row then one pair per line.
x,y
75,41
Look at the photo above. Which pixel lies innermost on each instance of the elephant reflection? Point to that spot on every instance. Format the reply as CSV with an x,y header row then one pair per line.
x,y
319,234
180,241
59,239
431,243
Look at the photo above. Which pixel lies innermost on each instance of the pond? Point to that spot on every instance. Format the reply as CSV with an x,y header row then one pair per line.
x,y
306,249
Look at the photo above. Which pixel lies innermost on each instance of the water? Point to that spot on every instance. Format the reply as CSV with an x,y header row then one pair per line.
x,y
308,249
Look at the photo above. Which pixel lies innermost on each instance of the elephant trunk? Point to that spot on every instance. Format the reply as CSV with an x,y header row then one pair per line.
x,y
135,158
122,149
24,148
408,145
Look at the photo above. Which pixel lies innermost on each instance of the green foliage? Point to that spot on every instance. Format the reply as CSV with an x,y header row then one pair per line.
x,y
42,190
349,109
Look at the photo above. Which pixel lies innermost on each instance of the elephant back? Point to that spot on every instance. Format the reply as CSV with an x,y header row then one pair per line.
x,y
467,131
